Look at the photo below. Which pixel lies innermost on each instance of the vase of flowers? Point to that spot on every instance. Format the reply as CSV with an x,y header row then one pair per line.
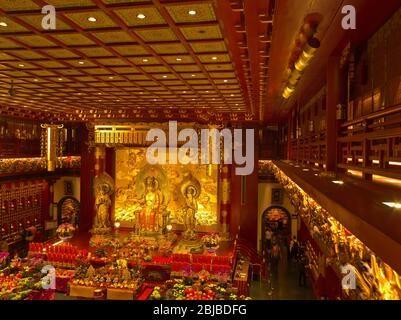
x,y
65,231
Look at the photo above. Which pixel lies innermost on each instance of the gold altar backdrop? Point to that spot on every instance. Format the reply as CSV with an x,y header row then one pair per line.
x,y
132,169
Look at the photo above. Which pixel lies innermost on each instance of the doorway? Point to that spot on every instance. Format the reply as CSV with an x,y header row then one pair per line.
x,y
68,209
278,220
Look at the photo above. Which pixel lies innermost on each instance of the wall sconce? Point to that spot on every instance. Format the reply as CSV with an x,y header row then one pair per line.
x,y
306,55
340,112
311,126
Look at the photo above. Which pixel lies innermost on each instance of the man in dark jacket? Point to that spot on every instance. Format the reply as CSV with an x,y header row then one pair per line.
x,y
302,265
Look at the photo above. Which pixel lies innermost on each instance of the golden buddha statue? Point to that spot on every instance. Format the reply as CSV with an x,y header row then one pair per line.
x,y
191,209
150,216
191,191
104,187
103,203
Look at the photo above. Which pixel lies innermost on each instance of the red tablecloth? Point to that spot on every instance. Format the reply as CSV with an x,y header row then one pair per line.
x,y
41,295
145,293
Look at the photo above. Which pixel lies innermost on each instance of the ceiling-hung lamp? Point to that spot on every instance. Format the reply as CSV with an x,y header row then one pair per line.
x,y
299,66
294,78
307,54
288,92
52,144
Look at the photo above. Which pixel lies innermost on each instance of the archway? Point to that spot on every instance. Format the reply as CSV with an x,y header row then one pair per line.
x,y
278,220
68,209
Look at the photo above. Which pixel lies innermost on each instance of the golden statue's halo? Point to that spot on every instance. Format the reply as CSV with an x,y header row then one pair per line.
x,y
191,183
104,181
160,180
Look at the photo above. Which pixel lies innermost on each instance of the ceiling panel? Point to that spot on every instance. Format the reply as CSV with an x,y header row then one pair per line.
x,y
118,55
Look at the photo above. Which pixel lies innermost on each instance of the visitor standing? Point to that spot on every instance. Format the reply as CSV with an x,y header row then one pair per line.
x,y
302,265
294,248
268,238
275,256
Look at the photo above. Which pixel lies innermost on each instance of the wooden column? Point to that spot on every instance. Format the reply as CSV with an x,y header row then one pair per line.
x,y
100,160
110,168
367,162
333,98
87,174
289,147
248,201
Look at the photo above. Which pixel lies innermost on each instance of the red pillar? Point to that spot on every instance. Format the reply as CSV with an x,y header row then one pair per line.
x,y
110,168
245,201
87,175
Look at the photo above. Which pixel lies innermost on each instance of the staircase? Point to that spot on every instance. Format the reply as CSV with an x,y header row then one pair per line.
x,y
258,265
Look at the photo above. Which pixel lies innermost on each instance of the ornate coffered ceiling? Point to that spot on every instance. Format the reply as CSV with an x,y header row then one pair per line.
x,y
140,59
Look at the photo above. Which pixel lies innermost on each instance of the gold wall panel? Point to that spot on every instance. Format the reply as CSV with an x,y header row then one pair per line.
x,y
131,170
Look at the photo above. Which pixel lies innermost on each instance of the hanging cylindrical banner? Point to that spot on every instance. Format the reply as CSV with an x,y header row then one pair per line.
x,y
52,144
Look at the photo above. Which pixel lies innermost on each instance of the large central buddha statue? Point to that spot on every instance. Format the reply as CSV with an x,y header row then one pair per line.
x,y
149,218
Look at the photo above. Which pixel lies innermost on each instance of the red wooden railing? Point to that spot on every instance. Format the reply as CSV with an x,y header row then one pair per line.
x,y
257,261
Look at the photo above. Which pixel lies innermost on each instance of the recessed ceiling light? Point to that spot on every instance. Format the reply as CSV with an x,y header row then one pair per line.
x,y
145,60
178,59
3,24
226,80
164,76
92,19
111,77
338,182
232,95
184,92
192,12
192,75
81,62
21,65
214,58
141,16
60,79
36,80
207,91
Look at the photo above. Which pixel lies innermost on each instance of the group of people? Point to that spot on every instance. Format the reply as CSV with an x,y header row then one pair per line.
x,y
295,254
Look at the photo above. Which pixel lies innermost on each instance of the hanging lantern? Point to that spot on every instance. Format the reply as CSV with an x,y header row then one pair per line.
x,y
53,144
